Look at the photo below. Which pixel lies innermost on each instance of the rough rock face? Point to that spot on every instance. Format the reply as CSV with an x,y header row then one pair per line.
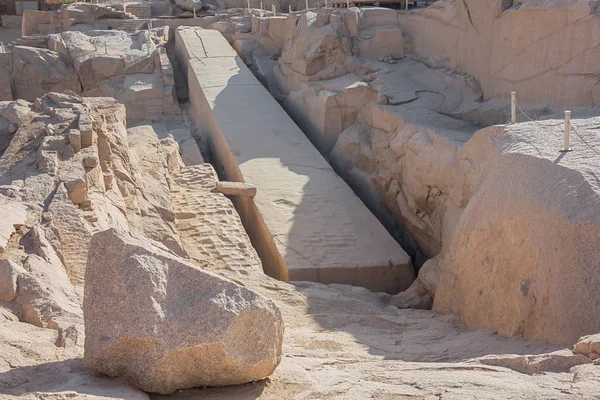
x,y
68,171
531,241
72,169
518,48
314,50
133,68
189,5
41,290
326,66
39,71
11,214
589,346
164,324
6,67
462,203
401,154
333,106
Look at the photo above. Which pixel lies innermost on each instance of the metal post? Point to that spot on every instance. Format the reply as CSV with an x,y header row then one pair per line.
x,y
273,9
306,1
248,3
513,107
105,48
406,2
325,3
1,47
566,146
347,3
290,9
261,7
194,13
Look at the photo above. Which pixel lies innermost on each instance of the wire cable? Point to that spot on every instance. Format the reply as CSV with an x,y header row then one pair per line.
x,y
584,141
558,124
539,123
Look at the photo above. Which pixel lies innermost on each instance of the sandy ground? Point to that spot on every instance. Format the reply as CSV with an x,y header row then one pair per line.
x,y
345,342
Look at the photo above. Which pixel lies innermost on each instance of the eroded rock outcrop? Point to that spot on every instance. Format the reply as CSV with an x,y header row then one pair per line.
x,y
132,67
67,172
522,239
165,324
73,169
39,71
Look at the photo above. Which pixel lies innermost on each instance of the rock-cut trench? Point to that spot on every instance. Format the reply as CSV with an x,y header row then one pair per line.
x,y
305,222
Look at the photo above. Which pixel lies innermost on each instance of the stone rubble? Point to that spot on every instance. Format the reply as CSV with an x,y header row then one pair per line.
x,y
132,67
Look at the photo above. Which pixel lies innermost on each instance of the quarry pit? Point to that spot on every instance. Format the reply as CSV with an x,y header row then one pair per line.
x,y
300,201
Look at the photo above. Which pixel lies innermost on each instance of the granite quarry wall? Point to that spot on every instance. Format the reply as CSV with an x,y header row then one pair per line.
x,y
401,119
546,50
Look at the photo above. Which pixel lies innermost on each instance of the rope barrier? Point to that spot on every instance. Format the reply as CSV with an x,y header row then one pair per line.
x,y
584,141
572,128
537,122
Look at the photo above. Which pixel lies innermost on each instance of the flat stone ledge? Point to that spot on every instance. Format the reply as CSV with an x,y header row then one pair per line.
x,y
236,188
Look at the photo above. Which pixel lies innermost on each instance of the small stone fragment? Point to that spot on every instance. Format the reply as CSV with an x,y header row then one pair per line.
x,y
75,139
108,180
50,130
589,346
48,162
85,127
85,204
236,188
90,161
8,280
77,190
13,128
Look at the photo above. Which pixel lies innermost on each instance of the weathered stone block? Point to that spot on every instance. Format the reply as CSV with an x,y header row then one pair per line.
x,y
165,324
75,139
236,188
85,127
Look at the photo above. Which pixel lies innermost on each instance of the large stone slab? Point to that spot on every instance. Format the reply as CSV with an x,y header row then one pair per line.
x,y
165,324
305,222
